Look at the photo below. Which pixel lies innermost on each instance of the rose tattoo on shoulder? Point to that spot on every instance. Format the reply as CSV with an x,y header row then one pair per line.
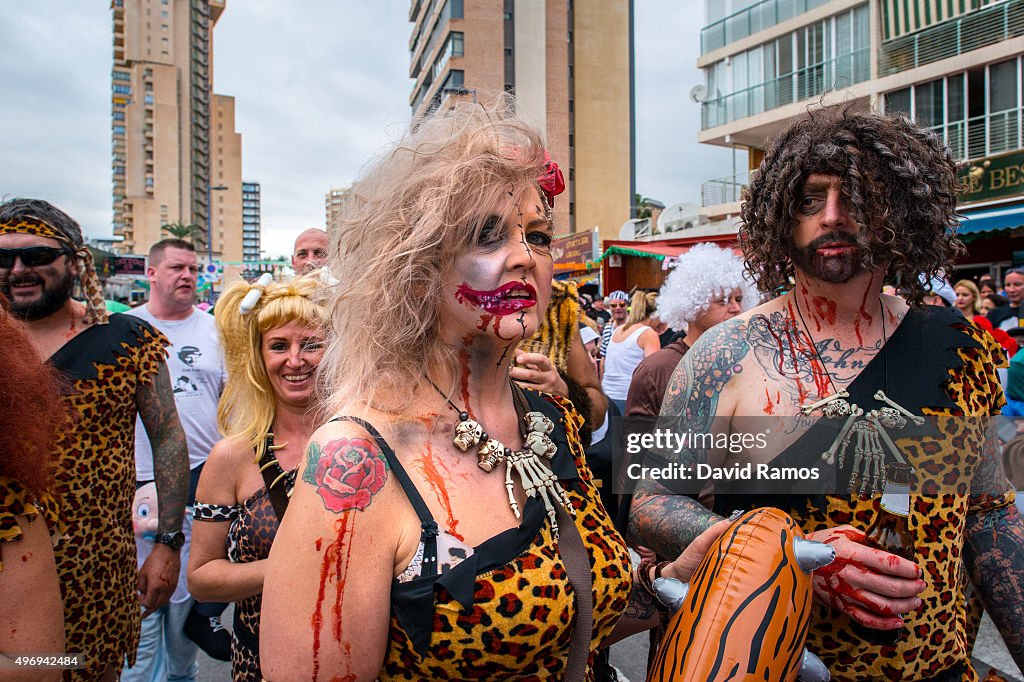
x,y
346,472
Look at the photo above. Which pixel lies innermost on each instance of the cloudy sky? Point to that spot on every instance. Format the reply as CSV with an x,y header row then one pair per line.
x,y
320,87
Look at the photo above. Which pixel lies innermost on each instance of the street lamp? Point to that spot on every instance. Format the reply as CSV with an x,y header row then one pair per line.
x,y
209,224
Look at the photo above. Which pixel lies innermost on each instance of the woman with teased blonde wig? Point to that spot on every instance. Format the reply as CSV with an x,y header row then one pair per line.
x,y
273,343
430,534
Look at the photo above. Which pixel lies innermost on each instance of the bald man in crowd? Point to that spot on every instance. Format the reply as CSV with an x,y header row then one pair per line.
x,y
310,251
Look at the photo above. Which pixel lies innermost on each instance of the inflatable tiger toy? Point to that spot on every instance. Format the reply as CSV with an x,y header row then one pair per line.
x,y
745,613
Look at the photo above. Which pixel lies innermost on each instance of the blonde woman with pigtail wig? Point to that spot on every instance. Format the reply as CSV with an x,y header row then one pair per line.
x,y
272,348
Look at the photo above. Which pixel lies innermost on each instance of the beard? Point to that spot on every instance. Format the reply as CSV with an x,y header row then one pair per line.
x,y
52,298
833,269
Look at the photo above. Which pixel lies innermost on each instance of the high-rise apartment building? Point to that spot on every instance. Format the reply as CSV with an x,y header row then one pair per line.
x,y
250,223
955,66
569,65
334,200
175,154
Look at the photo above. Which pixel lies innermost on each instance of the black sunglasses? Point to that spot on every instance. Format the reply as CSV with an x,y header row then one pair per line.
x,y
31,256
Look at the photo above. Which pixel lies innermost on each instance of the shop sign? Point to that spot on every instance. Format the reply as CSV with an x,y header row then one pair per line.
x,y
574,248
994,177
129,265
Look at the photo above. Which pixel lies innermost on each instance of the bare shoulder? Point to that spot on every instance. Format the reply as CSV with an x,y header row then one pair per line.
x,y
703,378
222,471
345,465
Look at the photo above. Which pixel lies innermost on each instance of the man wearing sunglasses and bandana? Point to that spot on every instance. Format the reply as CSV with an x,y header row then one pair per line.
x,y
114,369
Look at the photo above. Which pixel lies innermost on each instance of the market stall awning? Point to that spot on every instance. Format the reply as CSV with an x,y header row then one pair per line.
x,y
646,250
992,220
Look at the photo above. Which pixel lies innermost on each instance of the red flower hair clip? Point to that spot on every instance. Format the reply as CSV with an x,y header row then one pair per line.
x,y
551,181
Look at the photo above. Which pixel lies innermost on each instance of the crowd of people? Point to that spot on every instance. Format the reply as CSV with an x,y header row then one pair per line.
x,y
440,422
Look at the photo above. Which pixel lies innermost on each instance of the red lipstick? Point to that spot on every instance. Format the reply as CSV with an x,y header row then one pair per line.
x,y
505,300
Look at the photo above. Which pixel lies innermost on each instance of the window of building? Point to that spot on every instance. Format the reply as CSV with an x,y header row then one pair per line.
x,y
975,112
827,54
122,89
1002,85
898,101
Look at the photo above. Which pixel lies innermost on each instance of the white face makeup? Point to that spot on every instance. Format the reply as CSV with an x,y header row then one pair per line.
x,y
500,287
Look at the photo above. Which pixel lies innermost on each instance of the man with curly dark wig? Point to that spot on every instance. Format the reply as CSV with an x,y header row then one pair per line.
x,y
843,202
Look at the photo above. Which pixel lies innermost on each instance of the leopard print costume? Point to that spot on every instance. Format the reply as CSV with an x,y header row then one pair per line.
x,y
16,501
506,612
254,525
95,484
935,638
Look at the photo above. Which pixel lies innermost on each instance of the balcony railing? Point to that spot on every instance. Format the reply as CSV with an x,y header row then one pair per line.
x,y
984,135
980,28
751,20
724,190
811,81
977,137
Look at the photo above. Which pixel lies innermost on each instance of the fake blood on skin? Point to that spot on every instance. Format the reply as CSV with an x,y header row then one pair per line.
x,y
863,313
428,467
336,556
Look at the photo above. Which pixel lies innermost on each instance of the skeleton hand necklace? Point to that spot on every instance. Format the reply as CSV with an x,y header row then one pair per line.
x,y
536,478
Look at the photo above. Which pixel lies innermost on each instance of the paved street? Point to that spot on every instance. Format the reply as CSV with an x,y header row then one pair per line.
x,y
630,656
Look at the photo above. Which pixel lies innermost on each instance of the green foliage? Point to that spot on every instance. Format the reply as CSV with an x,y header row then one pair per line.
x,y
190,233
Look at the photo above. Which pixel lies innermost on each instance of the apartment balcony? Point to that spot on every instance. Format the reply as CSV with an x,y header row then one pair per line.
x,y
806,83
751,20
972,31
987,135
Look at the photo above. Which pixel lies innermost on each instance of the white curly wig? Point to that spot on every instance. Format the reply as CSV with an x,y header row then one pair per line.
x,y
703,273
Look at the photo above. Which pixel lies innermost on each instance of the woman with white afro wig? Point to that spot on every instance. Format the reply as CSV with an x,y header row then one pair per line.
x,y
704,277
707,287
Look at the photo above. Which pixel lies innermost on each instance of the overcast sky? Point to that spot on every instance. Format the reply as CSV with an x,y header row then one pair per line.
x,y
320,87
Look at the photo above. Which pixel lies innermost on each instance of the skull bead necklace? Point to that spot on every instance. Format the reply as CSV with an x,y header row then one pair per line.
x,y
528,462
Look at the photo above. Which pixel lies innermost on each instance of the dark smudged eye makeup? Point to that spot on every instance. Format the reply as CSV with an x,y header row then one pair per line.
x,y
539,238
490,232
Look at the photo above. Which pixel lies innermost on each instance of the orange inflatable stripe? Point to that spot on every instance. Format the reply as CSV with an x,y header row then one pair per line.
x,y
748,609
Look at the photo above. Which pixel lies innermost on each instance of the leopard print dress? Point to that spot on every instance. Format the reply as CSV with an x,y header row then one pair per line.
x,y
95,485
506,611
956,384
16,501
254,525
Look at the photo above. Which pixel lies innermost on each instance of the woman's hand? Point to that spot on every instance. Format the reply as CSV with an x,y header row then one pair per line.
x,y
686,563
871,586
536,371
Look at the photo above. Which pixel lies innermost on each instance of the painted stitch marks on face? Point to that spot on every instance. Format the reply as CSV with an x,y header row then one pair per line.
x,y
346,472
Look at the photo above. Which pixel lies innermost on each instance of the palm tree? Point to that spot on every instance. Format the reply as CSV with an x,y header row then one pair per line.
x,y
187,232
640,206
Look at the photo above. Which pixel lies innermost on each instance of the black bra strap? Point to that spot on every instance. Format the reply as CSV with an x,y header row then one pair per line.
x,y
428,526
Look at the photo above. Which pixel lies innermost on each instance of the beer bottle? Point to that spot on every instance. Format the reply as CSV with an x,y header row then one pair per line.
x,y
890,532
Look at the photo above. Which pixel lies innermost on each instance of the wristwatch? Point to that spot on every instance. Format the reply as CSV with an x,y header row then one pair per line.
x,y
173,540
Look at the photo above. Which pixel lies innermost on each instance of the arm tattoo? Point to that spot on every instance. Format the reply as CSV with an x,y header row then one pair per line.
x,y
994,554
994,550
641,605
660,520
155,402
346,472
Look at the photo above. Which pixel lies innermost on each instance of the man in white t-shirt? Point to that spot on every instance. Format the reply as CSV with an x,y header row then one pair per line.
x,y
196,367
